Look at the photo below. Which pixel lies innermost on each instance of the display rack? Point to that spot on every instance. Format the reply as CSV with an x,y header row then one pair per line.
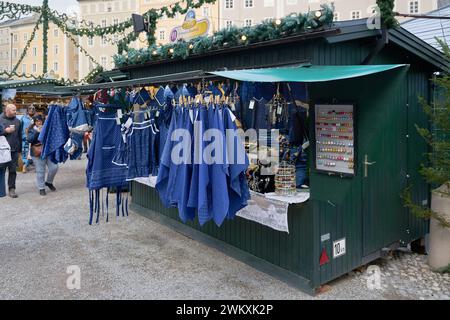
x,y
335,139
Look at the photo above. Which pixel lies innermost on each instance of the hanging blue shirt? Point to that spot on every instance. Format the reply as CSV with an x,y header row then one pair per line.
x,y
54,135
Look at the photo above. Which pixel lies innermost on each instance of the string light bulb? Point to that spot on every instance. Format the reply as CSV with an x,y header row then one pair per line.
x,y
191,46
244,38
171,50
318,14
278,22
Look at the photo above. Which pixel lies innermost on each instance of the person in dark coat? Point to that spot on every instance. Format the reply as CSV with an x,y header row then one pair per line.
x,y
12,130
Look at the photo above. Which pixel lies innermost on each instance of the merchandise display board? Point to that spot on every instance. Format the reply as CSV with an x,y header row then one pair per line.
x,y
335,139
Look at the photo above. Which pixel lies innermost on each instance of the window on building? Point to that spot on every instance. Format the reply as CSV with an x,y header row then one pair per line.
x,y
291,2
229,24
34,67
90,41
104,41
25,37
269,3
116,38
355,15
14,53
103,23
1,55
248,22
34,52
229,4
108,7
414,6
116,21
7,54
55,49
206,11
162,35
56,33
336,16
55,66
104,62
24,68
15,38
248,3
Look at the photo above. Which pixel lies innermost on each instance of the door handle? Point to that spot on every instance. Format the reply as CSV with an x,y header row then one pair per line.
x,y
366,165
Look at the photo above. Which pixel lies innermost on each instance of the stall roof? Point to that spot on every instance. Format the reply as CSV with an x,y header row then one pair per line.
x,y
14,84
306,73
183,76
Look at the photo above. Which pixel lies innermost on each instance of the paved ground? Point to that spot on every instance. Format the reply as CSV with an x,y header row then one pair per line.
x,y
139,259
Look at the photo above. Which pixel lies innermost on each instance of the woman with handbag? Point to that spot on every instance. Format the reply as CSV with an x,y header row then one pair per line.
x,y
41,164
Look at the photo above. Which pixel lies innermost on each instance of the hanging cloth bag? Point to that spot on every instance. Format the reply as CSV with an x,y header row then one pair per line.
x,y
79,120
5,151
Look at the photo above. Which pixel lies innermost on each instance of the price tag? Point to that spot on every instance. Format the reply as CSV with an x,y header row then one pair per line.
x,y
157,114
279,110
252,105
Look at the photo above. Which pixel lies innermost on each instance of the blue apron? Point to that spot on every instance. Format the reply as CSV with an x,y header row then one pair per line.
x,y
101,172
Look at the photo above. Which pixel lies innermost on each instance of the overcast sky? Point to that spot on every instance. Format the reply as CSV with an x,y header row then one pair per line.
x,y
61,5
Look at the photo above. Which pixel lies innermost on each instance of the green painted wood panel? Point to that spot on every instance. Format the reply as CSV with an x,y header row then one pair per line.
x,y
292,251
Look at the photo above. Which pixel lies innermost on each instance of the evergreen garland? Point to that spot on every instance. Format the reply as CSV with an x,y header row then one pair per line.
x,y
387,13
232,37
14,11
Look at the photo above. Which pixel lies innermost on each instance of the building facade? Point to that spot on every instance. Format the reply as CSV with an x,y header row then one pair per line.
x,y
249,12
105,13
62,53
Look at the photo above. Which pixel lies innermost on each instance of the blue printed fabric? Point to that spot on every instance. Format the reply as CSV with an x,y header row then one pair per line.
x,y
54,135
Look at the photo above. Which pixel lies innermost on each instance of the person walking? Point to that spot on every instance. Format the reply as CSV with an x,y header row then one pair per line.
x,y
27,120
12,130
41,164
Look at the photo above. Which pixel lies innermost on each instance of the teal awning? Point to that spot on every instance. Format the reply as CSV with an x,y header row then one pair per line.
x,y
306,73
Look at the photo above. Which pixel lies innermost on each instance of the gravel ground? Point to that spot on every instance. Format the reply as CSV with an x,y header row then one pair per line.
x,y
136,258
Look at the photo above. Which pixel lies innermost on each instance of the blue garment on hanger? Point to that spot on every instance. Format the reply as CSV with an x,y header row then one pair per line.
x,y
219,205
184,172
199,194
168,94
192,91
139,151
54,135
101,172
142,97
160,96
238,189
165,183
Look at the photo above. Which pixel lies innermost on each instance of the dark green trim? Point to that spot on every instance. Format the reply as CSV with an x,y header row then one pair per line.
x,y
288,277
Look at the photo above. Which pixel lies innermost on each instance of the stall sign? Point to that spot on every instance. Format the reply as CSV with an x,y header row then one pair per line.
x,y
190,29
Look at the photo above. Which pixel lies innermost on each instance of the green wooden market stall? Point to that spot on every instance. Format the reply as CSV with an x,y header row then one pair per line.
x,y
351,215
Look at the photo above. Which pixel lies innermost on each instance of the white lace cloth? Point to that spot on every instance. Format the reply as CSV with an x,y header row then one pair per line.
x,y
269,209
